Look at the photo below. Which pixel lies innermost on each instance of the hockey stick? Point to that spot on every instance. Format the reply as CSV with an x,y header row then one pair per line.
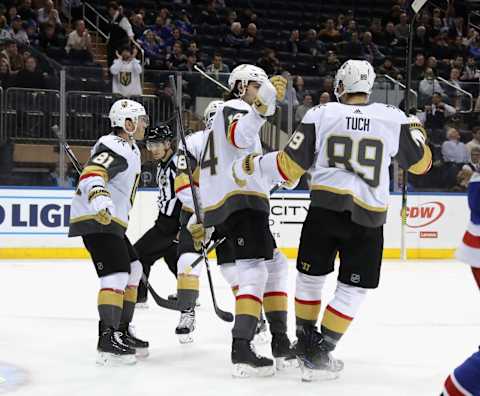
x,y
416,7
226,316
162,302
204,74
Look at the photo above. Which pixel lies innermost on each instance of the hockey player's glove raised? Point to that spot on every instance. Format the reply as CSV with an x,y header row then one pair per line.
x,y
101,204
280,84
243,168
199,233
264,102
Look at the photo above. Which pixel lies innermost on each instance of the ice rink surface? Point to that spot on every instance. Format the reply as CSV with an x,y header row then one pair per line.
x,y
410,333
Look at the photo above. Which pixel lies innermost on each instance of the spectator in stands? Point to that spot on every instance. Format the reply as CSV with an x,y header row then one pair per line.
x,y
457,29
269,62
470,73
162,29
371,51
293,42
354,48
340,22
13,58
17,32
349,30
429,85
138,25
331,65
177,35
176,58
126,71
299,86
120,31
165,14
387,68
474,163
452,90
377,31
324,98
79,43
329,34
193,47
150,43
453,150
217,65
235,38
230,18
31,28
311,45
4,33
435,116
475,142
418,68
440,47
389,36
327,86
31,76
209,16
184,24
421,38
26,11
432,64
401,29
190,63
48,14
252,33
51,43
307,104
6,79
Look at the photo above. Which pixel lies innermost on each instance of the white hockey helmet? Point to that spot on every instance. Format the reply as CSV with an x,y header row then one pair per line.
x,y
357,76
246,73
210,112
126,109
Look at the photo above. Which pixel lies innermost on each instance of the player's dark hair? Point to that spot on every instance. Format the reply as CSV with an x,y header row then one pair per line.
x,y
234,93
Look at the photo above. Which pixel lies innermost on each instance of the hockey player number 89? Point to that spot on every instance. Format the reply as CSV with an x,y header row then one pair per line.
x,y
369,154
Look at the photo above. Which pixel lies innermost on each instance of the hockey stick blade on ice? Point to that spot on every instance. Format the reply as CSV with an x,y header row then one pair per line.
x,y
162,302
226,316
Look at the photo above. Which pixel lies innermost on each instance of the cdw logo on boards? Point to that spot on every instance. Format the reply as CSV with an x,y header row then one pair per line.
x,y
424,214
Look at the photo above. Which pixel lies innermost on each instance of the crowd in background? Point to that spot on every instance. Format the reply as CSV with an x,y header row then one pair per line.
x,y
444,70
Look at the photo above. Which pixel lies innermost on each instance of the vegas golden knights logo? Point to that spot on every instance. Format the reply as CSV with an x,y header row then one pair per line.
x,y
125,78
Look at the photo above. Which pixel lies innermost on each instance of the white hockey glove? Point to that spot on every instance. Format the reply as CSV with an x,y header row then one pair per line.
x,y
200,234
244,168
101,204
290,185
264,102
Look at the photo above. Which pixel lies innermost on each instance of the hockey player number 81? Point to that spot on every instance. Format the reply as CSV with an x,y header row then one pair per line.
x,y
369,154
103,159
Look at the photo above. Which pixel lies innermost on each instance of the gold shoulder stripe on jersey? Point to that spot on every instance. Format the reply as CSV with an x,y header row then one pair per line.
x,y
181,181
233,193
288,167
102,172
92,217
356,200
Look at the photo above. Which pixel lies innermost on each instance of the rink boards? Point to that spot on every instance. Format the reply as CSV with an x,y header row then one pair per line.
x,y
34,223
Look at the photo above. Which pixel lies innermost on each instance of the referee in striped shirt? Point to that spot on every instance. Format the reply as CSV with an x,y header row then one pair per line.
x,y
161,240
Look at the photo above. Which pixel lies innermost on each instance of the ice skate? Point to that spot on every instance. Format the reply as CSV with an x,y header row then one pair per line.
x,y
129,338
283,352
247,363
186,326
314,356
112,351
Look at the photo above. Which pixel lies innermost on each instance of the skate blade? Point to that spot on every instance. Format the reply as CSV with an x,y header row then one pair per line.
x,y
185,338
110,359
142,305
261,338
242,370
283,363
309,374
141,352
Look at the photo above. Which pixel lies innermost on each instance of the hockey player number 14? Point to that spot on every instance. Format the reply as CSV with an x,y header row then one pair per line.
x,y
209,160
368,153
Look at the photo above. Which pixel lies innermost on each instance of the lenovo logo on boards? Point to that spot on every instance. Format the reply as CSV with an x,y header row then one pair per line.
x,y
424,214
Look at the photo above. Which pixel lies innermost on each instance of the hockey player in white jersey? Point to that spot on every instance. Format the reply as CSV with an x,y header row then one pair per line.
x,y
100,214
241,215
347,148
